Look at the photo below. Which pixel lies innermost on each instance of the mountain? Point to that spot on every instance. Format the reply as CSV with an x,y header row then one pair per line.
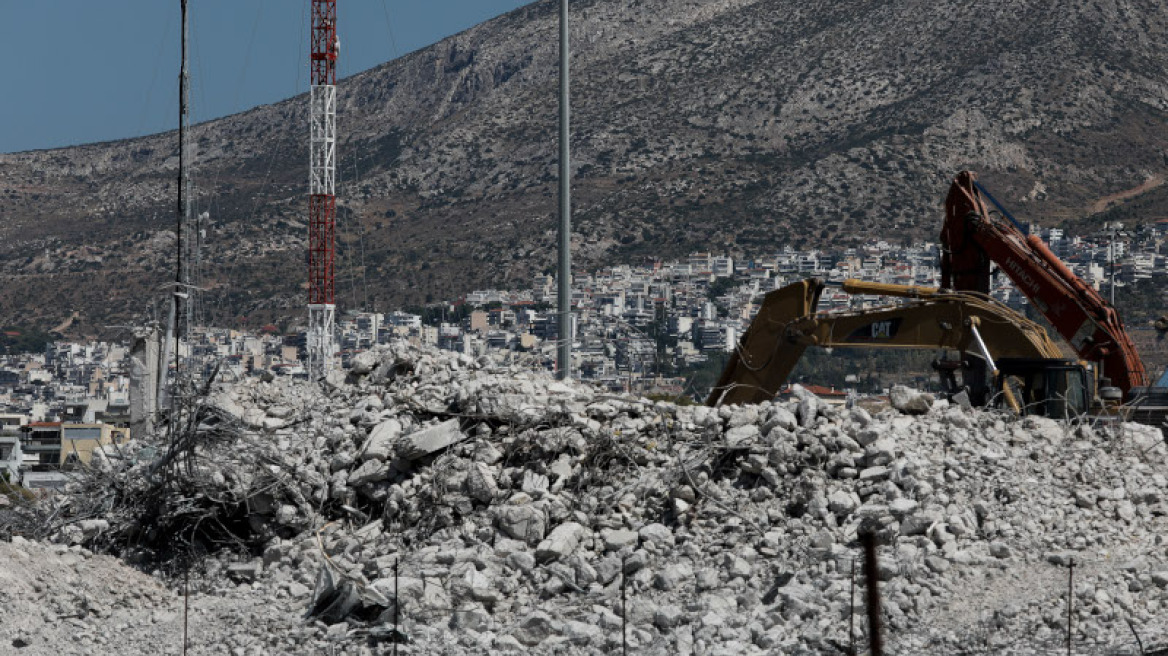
x,y
729,125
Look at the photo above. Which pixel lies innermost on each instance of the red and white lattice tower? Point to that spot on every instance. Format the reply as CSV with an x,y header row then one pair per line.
x,y
322,201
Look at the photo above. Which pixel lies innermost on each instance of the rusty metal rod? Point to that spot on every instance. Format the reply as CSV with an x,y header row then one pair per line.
x,y
396,606
186,603
852,614
624,613
872,581
1070,602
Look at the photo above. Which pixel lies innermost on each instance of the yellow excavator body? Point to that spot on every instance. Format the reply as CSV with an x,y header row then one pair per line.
x,y
789,321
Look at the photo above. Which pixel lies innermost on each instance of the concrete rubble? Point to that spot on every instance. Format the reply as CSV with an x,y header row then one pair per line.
x,y
494,510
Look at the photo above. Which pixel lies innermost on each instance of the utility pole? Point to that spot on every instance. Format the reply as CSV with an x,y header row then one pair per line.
x,y
1111,262
322,201
564,354
182,274
180,293
1111,258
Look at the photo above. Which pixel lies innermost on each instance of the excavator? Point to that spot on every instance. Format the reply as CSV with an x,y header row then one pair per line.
x,y
1005,355
972,238
1108,371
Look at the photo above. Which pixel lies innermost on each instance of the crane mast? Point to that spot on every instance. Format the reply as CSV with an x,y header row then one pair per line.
x,y
322,202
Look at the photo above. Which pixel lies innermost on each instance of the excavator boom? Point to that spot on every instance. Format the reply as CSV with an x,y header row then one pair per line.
x,y
787,323
972,238
765,357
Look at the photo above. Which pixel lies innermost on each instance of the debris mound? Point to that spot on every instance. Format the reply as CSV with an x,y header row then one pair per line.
x,y
460,505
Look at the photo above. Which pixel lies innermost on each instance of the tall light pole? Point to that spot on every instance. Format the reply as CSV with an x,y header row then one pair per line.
x,y
564,354
182,279
178,321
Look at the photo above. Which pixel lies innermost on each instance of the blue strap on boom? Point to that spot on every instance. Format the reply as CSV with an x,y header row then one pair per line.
x,y
1004,211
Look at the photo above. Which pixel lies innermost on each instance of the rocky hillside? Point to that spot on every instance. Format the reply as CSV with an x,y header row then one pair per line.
x,y
724,124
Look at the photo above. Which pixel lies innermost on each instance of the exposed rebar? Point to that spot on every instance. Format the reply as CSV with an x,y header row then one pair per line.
x,y
852,614
186,603
624,613
1139,642
872,581
1070,601
396,638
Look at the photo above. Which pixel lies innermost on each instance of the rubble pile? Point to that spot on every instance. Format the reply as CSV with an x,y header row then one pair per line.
x,y
479,507
46,586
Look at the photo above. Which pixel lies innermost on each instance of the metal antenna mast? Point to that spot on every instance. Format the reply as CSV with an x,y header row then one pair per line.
x,y
322,202
564,354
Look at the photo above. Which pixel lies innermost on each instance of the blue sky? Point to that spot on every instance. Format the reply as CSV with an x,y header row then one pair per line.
x,y
82,71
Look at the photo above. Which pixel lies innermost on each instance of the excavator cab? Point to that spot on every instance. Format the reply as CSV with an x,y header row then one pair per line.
x,y
1047,387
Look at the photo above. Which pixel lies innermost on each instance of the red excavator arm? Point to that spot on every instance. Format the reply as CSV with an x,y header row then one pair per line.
x,y
972,238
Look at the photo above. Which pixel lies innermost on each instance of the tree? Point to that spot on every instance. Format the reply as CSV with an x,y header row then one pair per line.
x,y
719,287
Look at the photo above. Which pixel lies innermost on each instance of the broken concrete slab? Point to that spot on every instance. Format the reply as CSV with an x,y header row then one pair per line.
x,y
522,522
562,541
615,540
370,471
910,401
379,445
481,484
364,362
245,572
432,439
